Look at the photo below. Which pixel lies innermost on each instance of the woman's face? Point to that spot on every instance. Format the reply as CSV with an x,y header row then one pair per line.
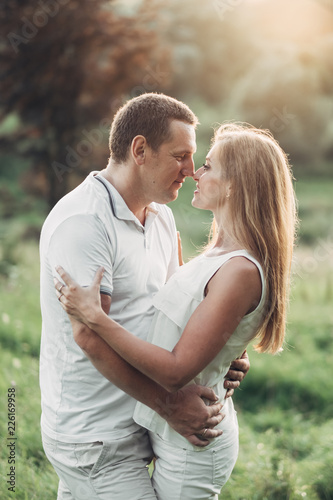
x,y
212,187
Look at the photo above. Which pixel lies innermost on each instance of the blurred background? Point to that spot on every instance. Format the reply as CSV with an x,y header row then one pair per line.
x,y
66,66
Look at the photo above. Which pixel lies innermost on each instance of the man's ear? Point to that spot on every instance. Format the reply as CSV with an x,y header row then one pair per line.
x,y
138,149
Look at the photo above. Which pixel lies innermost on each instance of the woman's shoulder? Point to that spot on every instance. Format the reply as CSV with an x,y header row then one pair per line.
x,y
241,275
239,267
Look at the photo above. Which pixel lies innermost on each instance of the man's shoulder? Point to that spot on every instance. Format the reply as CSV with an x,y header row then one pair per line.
x,y
86,199
81,210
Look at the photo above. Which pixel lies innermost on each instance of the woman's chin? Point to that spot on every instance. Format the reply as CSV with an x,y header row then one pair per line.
x,y
196,204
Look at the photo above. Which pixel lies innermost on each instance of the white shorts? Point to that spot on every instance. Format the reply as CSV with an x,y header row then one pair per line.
x,y
182,474
115,470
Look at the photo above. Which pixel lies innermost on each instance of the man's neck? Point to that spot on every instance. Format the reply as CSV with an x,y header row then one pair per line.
x,y
129,191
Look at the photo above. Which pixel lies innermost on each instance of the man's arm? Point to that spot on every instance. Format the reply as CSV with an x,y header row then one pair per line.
x,y
185,410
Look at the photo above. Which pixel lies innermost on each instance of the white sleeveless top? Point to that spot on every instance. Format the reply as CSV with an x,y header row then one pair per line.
x,y
174,304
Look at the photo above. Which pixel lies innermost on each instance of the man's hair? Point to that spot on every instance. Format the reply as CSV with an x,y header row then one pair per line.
x,y
148,115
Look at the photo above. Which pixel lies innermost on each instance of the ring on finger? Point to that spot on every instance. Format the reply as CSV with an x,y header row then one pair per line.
x,y
204,432
62,286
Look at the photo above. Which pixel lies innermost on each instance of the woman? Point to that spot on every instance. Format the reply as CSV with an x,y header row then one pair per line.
x,y
214,305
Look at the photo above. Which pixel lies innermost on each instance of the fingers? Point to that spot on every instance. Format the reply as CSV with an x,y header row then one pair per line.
x,y
68,280
214,421
180,251
208,393
214,410
245,356
61,291
238,370
205,437
229,393
65,276
196,441
234,379
212,433
58,286
98,277
241,365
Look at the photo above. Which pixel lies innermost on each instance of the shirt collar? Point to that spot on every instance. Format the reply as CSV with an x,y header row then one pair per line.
x,y
118,204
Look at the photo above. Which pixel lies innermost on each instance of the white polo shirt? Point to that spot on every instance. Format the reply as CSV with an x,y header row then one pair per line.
x,y
92,226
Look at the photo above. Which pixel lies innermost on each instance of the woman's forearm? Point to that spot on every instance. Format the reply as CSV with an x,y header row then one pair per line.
x,y
157,363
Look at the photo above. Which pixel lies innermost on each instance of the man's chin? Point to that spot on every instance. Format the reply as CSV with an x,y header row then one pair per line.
x,y
169,197
166,197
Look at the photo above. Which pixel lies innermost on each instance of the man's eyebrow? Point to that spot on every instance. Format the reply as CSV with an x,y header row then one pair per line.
x,y
182,152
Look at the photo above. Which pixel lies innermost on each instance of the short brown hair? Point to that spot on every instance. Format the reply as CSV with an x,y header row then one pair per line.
x,y
148,115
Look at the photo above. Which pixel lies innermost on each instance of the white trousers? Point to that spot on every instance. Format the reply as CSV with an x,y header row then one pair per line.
x,y
182,474
115,470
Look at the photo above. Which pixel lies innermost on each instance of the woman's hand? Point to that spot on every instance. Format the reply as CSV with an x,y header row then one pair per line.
x,y
81,303
180,250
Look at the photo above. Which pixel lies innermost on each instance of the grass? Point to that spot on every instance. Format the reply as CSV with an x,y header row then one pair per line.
x,y
284,405
315,210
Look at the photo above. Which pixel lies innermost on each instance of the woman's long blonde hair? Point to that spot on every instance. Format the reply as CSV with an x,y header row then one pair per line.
x,y
263,210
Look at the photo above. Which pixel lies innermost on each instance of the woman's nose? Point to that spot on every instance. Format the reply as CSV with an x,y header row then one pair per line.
x,y
197,174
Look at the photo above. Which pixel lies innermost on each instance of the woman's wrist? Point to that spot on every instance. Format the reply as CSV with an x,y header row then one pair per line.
x,y
94,317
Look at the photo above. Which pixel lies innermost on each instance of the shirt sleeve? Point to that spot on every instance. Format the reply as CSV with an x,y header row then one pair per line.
x,y
80,245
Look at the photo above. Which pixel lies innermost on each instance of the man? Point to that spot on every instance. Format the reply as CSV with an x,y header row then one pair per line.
x,y
116,218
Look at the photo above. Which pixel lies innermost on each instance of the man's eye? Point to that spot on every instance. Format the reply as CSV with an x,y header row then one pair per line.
x,y
180,158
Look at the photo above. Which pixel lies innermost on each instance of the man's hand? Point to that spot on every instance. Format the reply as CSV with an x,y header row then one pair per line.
x,y
237,371
186,412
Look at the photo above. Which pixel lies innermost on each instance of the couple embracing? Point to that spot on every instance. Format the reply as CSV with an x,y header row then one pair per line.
x,y
138,352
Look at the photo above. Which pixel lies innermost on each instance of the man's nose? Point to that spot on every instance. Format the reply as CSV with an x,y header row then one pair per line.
x,y
188,168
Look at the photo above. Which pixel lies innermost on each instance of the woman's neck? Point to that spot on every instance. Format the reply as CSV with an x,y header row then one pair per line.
x,y
224,244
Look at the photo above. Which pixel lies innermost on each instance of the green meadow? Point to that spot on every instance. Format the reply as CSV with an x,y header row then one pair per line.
x,y
285,404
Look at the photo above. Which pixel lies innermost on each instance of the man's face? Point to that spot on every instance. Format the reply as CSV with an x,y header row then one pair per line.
x,y
166,169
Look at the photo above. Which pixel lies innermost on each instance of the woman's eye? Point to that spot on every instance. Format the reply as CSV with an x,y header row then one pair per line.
x,y
205,166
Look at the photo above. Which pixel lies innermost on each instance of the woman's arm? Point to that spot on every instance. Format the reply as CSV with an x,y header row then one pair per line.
x,y
232,292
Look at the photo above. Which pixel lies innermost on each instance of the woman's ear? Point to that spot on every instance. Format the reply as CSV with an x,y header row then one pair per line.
x,y
138,149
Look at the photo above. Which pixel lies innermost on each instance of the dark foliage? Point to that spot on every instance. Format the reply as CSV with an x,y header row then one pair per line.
x,y
65,66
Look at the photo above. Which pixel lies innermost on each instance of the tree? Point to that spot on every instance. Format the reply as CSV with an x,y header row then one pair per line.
x,y
65,66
